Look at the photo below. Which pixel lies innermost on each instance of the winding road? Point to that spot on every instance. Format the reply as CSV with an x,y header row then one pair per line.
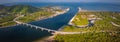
x,y
114,23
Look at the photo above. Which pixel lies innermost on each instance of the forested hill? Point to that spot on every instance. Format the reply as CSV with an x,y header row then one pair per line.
x,y
31,13
8,13
15,9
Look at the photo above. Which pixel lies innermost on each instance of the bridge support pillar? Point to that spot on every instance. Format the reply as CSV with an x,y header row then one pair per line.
x,y
31,26
48,30
27,25
42,29
36,27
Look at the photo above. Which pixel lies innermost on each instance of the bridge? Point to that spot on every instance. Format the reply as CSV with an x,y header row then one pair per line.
x,y
26,24
37,27
42,29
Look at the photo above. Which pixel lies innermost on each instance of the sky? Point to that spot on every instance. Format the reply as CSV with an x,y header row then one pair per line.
x,y
104,1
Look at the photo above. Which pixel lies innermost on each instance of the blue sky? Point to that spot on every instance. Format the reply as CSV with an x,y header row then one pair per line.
x,y
105,1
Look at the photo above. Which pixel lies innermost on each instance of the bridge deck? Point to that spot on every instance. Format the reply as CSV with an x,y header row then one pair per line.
x,y
38,27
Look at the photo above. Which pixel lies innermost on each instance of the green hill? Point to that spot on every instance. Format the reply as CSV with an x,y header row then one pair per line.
x,y
8,13
31,13
16,9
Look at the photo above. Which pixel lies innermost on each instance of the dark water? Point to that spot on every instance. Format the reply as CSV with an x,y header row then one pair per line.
x,y
26,34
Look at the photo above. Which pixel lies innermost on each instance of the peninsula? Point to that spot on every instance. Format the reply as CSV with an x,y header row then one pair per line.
x,y
91,26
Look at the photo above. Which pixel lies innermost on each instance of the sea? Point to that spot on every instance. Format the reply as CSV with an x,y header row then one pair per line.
x,y
22,33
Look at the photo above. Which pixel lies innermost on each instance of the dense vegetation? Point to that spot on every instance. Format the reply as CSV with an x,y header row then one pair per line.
x,y
89,37
8,13
17,9
43,13
103,25
31,13
35,16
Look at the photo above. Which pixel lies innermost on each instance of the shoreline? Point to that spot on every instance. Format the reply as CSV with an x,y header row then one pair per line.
x,y
61,28
56,14
51,16
51,38
8,26
69,23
